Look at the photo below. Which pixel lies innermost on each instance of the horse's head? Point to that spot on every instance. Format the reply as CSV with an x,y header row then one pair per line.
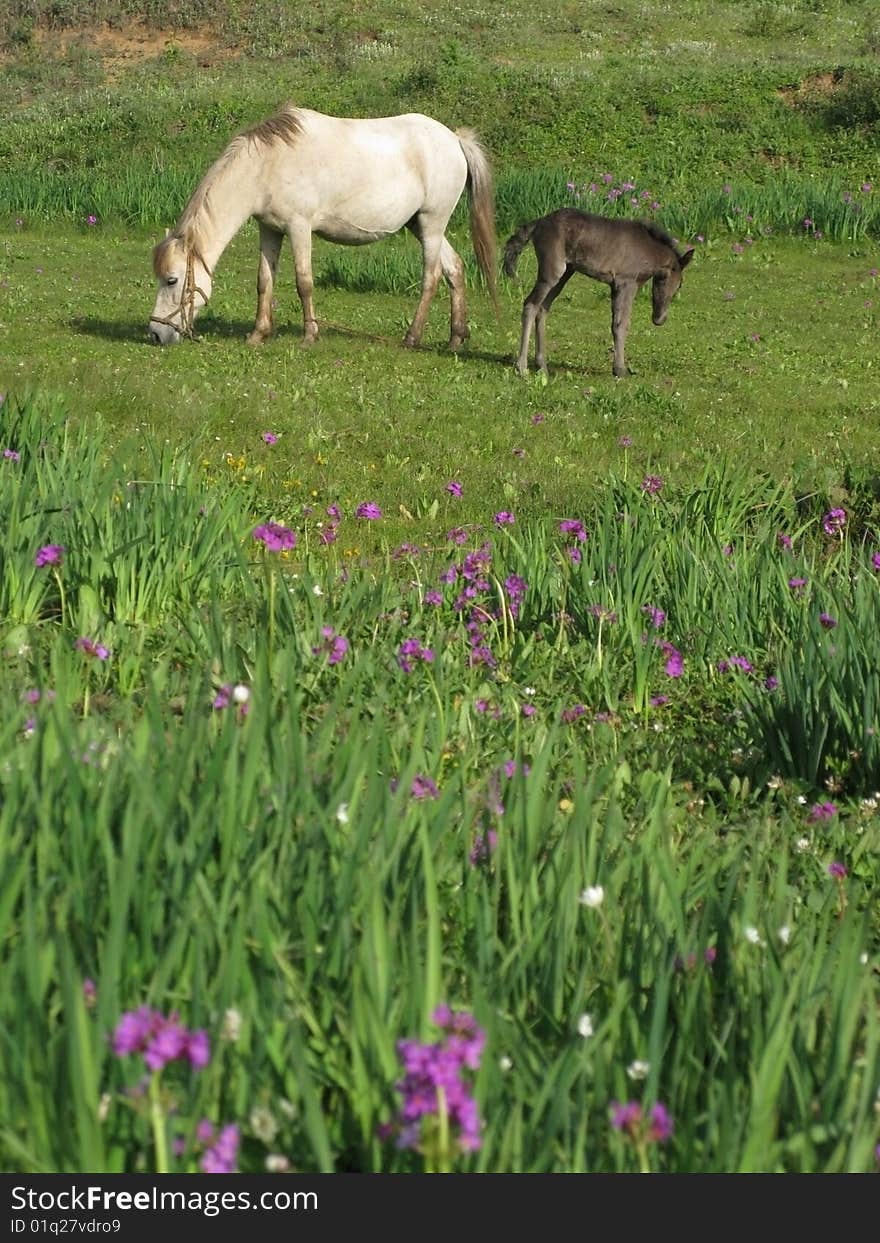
x,y
184,288
666,285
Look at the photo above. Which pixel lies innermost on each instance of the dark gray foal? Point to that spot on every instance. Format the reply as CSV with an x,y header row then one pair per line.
x,y
622,253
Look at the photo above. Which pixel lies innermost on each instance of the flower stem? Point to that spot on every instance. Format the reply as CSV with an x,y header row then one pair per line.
x,y
157,1121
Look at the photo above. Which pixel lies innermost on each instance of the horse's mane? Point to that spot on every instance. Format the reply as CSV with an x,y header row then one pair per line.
x,y
284,126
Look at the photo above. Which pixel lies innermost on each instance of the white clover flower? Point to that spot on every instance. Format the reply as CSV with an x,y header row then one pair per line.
x,y
593,896
638,1070
585,1026
241,693
231,1029
802,844
528,690
802,799
784,934
316,590
752,935
775,783
863,958
277,1163
342,813
505,1062
263,1124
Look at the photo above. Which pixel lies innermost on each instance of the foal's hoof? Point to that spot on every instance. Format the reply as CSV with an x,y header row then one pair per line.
x,y
410,342
257,338
456,342
521,369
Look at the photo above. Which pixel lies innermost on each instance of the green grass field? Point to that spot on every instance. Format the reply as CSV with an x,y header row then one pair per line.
x,y
588,751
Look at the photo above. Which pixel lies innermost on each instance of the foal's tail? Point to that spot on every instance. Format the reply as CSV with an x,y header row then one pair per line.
x,y
481,199
515,245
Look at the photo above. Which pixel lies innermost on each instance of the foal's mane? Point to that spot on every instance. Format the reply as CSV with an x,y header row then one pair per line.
x,y
659,235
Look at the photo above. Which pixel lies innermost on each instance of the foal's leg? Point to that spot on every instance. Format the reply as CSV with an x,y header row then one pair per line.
x,y
540,359
550,272
453,272
270,248
622,294
301,242
431,238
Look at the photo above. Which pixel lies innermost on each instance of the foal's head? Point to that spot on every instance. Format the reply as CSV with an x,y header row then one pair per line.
x,y
667,283
184,288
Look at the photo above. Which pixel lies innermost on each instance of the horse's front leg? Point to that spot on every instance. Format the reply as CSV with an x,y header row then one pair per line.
x,y
270,248
622,294
301,242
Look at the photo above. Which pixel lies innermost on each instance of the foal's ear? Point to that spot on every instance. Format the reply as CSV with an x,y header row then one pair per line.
x,y
167,231
685,259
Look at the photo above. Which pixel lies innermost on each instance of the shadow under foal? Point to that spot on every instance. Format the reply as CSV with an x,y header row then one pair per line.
x,y
622,253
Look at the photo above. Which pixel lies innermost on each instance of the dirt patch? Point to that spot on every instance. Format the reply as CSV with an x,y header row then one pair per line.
x,y
817,84
120,48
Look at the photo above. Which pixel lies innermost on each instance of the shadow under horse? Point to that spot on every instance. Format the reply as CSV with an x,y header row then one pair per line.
x,y
625,254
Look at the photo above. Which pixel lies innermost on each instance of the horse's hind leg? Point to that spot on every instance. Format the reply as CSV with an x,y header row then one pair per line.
x,y
453,273
301,242
431,238
552,267
270,248
540,320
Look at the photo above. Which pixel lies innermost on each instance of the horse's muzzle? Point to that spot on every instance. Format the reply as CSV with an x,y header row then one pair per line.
x,y
163,334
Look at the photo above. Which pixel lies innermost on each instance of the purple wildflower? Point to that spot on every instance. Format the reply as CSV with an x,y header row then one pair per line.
x,y
91,648
369,510
570,715
277,538
575,528
660,1129
334,646
826,621
430,1069
484,845
433,597
528,710
198,1049
504,518
735,662
458,535
516,589
454,488
875,560
674,661
797,585
90,992
822,811
657,616
771,682
651,484
411,651
11,455
837,870
423,788
834,521
49,554
222,1156
270,438
784,541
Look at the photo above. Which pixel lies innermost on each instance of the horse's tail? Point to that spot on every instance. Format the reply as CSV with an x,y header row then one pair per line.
x,y
515,245
481,199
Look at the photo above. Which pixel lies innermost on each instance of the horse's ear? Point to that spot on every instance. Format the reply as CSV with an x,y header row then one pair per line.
x,y
685,259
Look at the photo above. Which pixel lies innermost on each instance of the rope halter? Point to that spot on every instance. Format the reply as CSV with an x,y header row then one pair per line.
x,y
186,307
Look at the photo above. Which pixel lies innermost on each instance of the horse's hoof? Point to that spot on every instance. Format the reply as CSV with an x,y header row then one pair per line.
x,y
257,338
520,369
456,342
410,342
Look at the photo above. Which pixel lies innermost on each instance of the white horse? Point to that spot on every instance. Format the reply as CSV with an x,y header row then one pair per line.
x,y
349,181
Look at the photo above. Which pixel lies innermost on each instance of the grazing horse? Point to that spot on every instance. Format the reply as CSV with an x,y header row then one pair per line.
x,y
622,253
349,181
